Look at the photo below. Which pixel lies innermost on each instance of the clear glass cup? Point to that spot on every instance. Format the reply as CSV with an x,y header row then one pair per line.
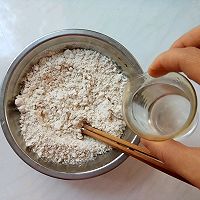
x,y
160,108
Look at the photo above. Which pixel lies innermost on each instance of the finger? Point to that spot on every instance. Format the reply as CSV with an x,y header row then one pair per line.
x,y
178,157
185,60
189,39
171,152
159,149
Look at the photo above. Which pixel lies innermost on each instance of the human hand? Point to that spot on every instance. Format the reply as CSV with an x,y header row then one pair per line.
x,y
183,56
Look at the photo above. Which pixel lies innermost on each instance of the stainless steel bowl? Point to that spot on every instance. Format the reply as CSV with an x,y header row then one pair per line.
x,y
64,39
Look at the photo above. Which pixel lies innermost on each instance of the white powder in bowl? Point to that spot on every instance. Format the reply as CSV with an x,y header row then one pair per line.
x,y
59,92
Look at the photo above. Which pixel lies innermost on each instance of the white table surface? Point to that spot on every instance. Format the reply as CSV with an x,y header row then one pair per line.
x,y
146,28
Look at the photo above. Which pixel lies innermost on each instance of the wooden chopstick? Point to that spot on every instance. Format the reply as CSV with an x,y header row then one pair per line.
x,y
130,149
120,141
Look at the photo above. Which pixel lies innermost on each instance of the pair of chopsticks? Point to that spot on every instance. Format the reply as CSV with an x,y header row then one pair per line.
x,y
138,152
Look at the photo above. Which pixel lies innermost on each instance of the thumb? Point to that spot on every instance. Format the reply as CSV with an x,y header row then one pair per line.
x,y
171,152
179,158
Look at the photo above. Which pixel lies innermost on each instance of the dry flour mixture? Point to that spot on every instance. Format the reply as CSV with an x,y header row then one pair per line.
x,y
59,92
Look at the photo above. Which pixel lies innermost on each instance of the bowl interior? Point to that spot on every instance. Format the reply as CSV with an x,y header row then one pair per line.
x,y
11,87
